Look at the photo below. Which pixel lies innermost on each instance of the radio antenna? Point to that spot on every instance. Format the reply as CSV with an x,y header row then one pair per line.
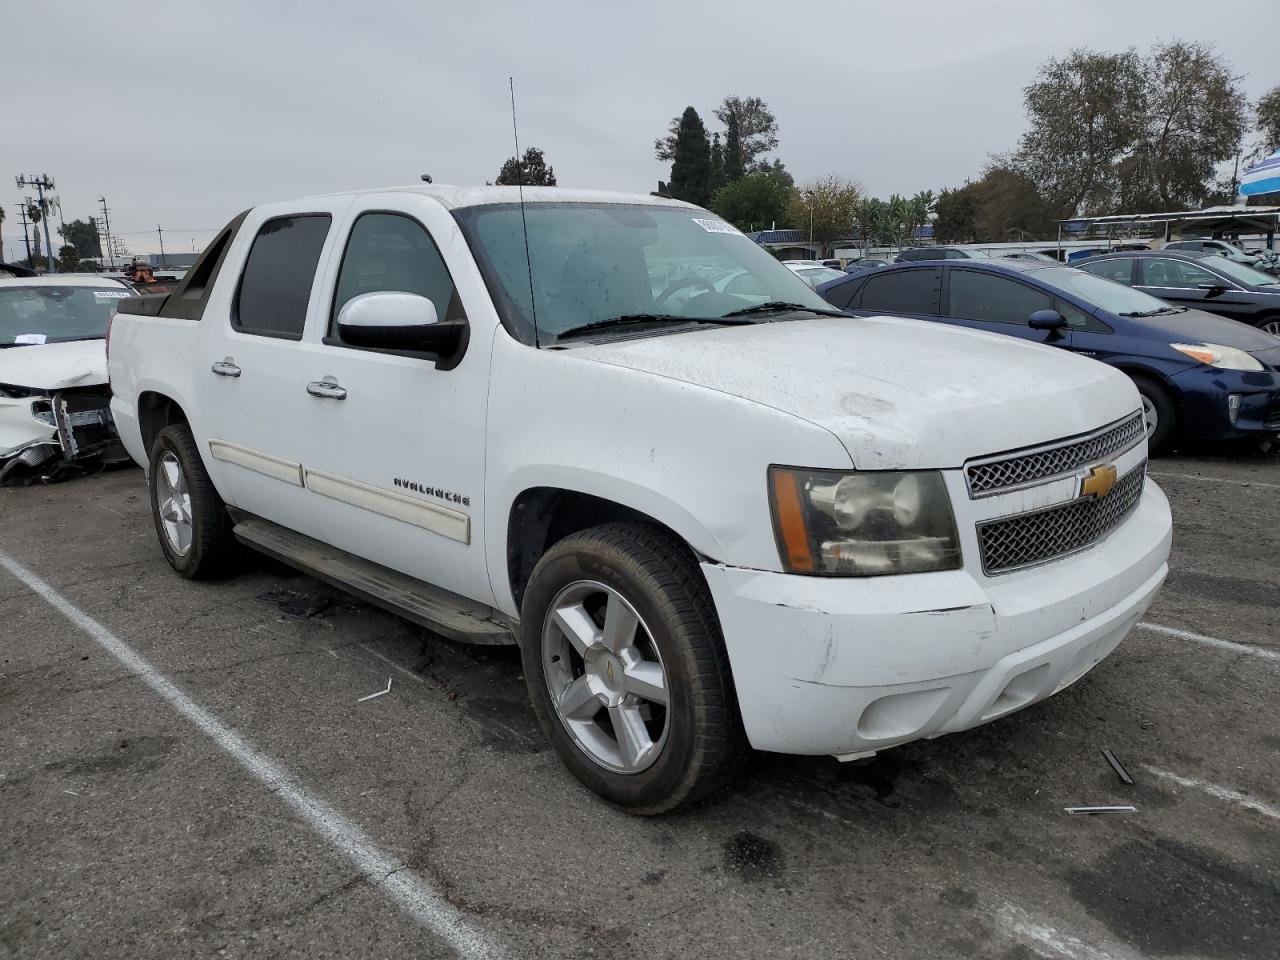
x,y
524,223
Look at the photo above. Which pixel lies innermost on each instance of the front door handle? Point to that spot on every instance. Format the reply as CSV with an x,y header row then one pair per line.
x,y
225,368
328,389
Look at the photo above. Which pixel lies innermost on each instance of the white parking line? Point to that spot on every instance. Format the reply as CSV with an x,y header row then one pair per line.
x,y
413,894
1192,476
1249,649
1222,793
1045,941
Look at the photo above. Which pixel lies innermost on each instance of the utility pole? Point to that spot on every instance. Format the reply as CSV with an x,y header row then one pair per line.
x,y
106,226
42,183
26,237
161,232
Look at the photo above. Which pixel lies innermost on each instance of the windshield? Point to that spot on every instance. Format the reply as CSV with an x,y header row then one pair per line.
x,y
593,262
816,275
1243,274
46,314
1107,294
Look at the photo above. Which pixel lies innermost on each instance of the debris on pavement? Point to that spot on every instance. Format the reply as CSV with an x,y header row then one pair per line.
x,y
295,605
1117,766
1119,808
380,693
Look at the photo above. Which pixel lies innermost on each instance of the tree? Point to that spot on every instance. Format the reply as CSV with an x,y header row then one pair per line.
x,y
756,125
734,165
955,215
1008,206
1194,119
1085,111
530,171
824,209
83,236
871,216
754,202
917,213
1267,119
691,166
68,259
718,178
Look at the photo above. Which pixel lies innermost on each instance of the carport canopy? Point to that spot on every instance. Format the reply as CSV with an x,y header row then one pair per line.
x,y
1234,220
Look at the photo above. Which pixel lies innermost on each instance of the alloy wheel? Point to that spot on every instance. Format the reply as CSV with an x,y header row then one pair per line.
x,y
1272,327
606,678
174,501
1150,415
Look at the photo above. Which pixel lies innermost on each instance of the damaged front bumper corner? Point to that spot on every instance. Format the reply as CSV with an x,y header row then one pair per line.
x,y
43,436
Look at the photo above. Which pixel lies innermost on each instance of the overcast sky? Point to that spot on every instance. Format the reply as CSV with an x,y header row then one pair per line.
x,y
184,113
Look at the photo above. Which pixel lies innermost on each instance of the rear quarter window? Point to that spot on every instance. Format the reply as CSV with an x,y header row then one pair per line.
x,y
275,286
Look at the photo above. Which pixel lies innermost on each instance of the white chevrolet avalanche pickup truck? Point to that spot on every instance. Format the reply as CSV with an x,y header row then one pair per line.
x,y
711,511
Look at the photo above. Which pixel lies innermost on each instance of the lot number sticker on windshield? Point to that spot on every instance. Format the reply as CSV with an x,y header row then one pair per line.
x,y
715,226
30,338
111,294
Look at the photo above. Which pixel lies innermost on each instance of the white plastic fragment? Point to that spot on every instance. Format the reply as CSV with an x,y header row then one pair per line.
x,y
1119,808
380,693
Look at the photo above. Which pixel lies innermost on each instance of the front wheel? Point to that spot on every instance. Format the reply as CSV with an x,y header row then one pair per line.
x,y
626,668
1160,414
1270,325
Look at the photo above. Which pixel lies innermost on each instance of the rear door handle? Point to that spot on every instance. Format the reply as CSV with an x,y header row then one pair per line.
x,y
328,389
225,368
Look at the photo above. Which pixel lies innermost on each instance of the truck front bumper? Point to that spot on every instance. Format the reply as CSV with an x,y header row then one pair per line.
x,y
849,666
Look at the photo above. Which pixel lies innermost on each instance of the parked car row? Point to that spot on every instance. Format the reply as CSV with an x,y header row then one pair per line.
x,y
1200,376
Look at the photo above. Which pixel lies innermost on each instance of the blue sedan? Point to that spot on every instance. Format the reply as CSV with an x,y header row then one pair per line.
x,y
1201,376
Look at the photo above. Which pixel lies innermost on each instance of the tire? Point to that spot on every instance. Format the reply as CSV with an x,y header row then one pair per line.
x,y
696,741
1270,324
1159,409
190,518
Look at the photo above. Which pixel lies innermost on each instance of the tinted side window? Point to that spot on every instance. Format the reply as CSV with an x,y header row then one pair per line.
x,y
841,295
1119,270
903,291
1174,274
393,252
985,296
276,284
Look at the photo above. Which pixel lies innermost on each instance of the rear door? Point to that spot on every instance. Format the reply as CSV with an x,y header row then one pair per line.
x,y
247,378
1182,282
985,300
911,292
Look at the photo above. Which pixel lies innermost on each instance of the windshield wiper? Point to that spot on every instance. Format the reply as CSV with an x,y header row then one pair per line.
x,y
638,319
1154,313
777,306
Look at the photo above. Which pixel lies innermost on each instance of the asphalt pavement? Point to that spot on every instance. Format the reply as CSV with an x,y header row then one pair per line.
x,y
187,771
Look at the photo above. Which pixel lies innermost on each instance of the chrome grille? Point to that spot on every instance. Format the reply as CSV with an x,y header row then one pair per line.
x,y
1010,543
1008,471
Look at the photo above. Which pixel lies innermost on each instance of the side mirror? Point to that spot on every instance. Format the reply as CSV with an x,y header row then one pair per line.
x,y
1047,320
1211,287
389,320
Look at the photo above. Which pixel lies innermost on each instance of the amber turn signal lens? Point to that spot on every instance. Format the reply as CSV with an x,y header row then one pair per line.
x,y
789,516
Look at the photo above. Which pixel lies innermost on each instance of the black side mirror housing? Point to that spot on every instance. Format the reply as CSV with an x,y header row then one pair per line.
x,y
1050,320
1211,287
402,323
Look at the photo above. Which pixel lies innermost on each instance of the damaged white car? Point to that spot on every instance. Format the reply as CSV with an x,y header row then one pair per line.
x,y
55,416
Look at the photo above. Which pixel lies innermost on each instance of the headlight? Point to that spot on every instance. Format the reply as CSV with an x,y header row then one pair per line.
x,y
1216,355
830,523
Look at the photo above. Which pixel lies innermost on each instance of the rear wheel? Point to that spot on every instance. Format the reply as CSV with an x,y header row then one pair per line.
x,y
1160,414
627,670
191,519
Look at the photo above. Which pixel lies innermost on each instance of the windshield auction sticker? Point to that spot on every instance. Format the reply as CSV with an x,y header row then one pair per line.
x,y
111,294
30,339
715,226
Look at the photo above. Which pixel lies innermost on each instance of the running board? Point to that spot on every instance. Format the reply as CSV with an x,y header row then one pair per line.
x,y
438,610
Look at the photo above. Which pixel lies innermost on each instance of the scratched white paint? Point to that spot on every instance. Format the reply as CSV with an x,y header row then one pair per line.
x,y
411,893
1219,792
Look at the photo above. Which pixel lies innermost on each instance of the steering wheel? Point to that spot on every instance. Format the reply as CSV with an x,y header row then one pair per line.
x,y
688,280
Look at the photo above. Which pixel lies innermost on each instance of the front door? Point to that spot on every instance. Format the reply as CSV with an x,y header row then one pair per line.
x,y
1191,285
999,304
395,455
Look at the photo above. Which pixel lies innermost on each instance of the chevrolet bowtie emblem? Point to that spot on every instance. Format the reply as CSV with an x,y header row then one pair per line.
x,y
1099,481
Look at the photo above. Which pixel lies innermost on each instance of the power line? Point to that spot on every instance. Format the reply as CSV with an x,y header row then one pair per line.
x,y
41,182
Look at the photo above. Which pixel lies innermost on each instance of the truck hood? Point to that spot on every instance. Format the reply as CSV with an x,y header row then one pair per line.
x,y
55,366
898,393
